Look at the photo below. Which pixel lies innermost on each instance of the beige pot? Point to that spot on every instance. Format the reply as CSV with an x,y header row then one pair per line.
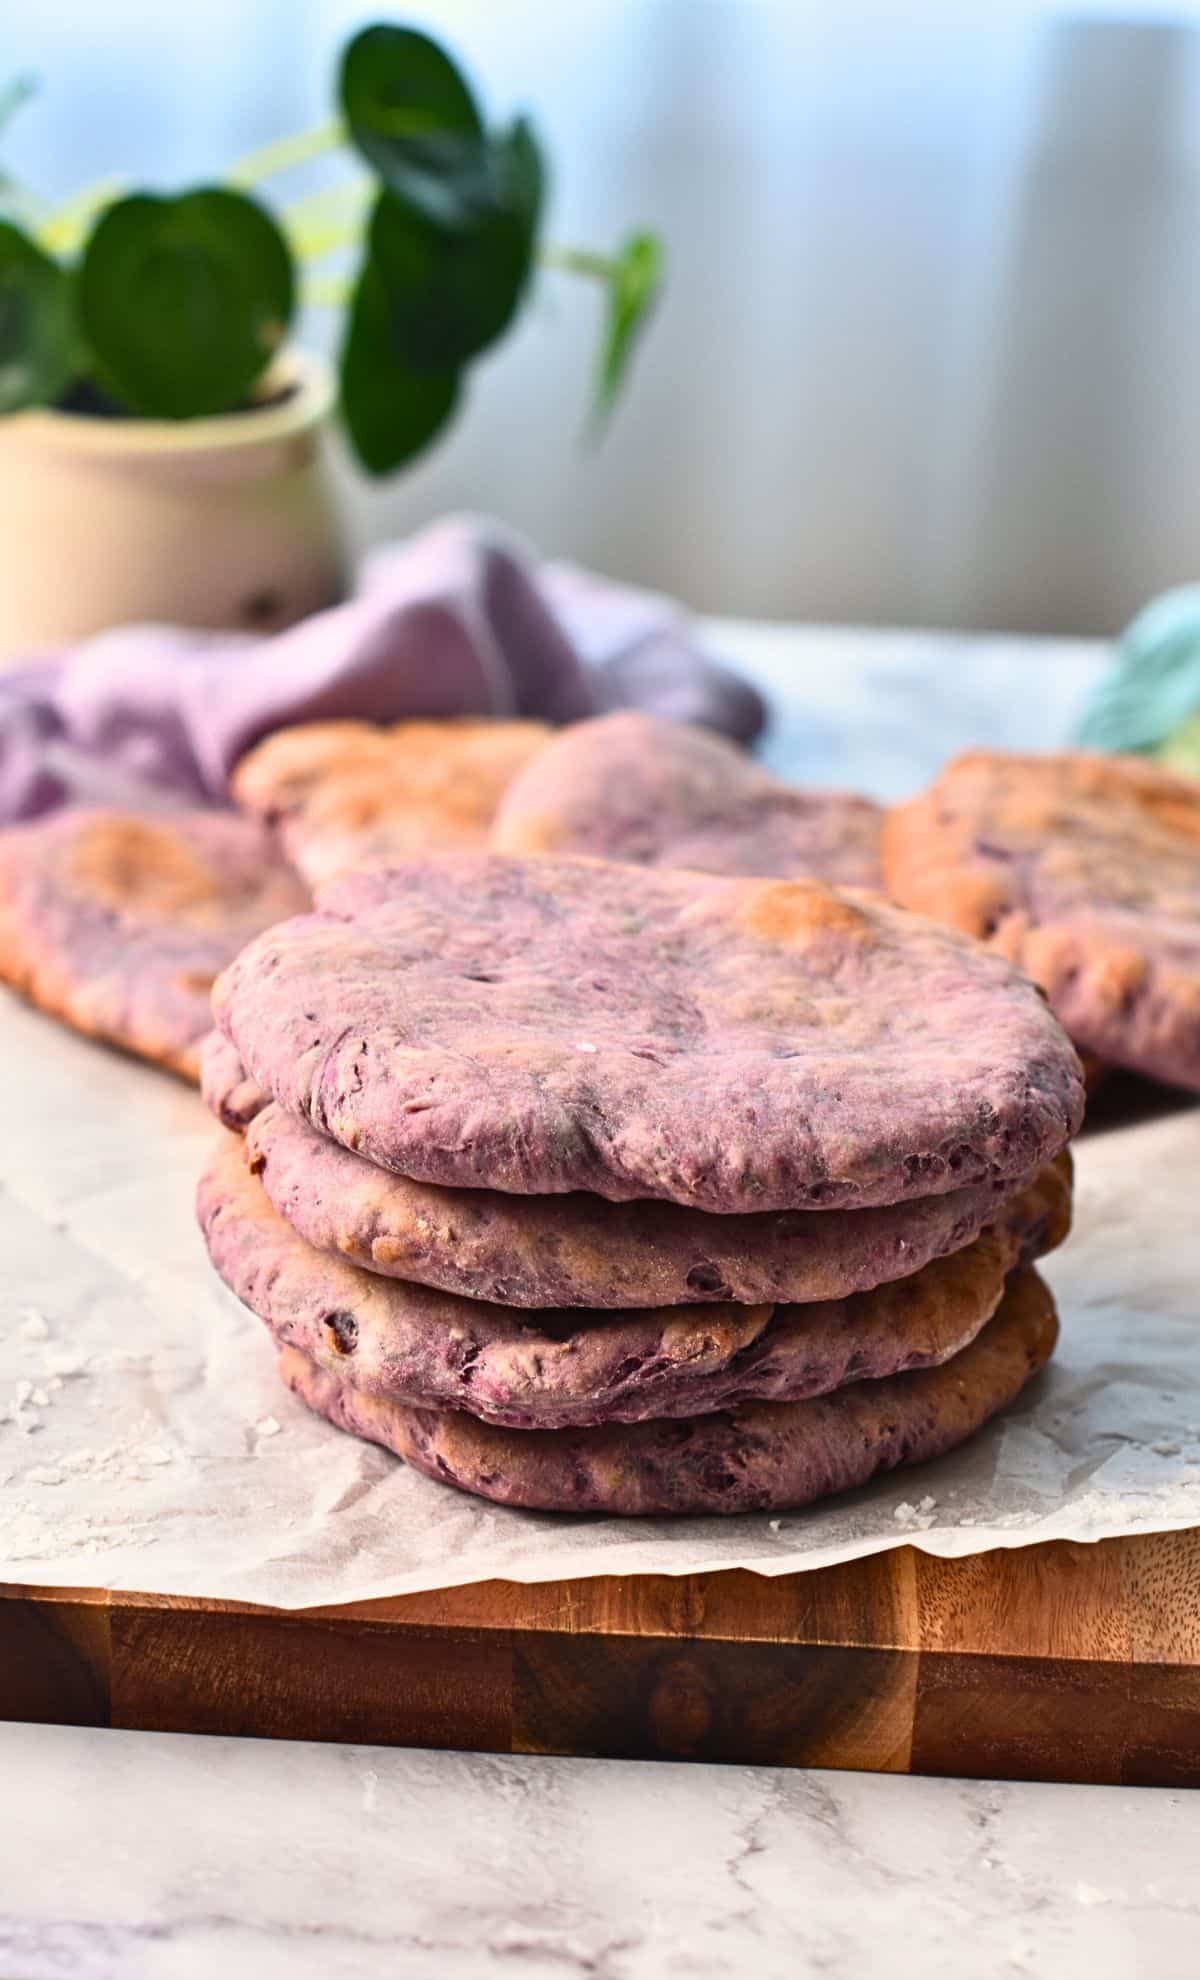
x,y
209,522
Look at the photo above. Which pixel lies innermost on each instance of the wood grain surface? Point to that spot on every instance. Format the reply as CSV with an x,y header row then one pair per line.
x,y
1056,1662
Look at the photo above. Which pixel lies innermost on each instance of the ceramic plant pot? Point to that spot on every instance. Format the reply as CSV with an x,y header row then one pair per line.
x,y
226,522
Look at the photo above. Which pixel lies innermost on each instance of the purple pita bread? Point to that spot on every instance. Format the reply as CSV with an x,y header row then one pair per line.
x,y
632,787
341,794
583,1366
759,1457
544,1025
579,1250
1085,871
226,1087
117,922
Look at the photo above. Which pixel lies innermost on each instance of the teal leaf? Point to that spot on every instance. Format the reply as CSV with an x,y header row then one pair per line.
x,y
391,410
1154,683
184,301
36,326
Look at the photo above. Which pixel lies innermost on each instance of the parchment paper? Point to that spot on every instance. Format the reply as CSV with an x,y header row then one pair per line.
x,y
146,1444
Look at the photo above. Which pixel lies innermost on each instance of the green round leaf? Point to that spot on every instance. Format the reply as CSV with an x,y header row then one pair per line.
x,y
412,116
635,285
454,291
184,301
36,335
391,410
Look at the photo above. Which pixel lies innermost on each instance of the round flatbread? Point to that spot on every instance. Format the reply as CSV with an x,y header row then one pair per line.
x,y
579,1250
117,922
344,794
635,788
226,1087
1084,870
542,1025
760,1457
561,1367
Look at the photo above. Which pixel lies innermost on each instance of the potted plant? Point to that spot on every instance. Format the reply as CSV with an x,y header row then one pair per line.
x,y
160,456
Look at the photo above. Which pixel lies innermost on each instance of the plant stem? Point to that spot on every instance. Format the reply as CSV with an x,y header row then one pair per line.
x,y
325,292
323,221
64,228
282,153
314,208
313,243
578,261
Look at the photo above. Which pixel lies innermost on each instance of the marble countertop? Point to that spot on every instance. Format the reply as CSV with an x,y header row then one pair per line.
x,y
880,711
133,1856
139,1857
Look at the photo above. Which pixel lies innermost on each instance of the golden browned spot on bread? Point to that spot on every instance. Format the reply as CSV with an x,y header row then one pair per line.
x,y
282,771
1175,812
410,760
531,832
342,792
199,980
1056,1181
795,912
132,863
1041,795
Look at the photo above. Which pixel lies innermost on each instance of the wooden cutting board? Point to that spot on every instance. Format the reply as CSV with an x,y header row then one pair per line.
x,y
1056,1662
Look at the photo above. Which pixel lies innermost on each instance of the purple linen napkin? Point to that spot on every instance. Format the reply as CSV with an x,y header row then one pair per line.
x,y
458,620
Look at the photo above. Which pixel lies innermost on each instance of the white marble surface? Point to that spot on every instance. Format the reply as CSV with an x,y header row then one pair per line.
x,y
144,1857
134,1857
881,710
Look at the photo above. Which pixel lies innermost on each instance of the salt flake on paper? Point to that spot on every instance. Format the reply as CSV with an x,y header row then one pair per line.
x,y
65,1366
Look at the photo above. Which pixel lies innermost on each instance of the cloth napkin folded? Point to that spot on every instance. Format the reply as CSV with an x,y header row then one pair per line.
x,y
458,620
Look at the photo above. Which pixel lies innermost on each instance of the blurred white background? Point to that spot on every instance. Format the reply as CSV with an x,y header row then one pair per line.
x,y
931,351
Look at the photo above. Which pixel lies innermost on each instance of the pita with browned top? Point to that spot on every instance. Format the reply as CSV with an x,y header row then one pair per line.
x,y
342,794
117,922
755,1457
1084,871
554,1367
546,1025
655,793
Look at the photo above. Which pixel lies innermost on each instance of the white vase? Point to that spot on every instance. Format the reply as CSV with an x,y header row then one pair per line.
x,y
226,522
